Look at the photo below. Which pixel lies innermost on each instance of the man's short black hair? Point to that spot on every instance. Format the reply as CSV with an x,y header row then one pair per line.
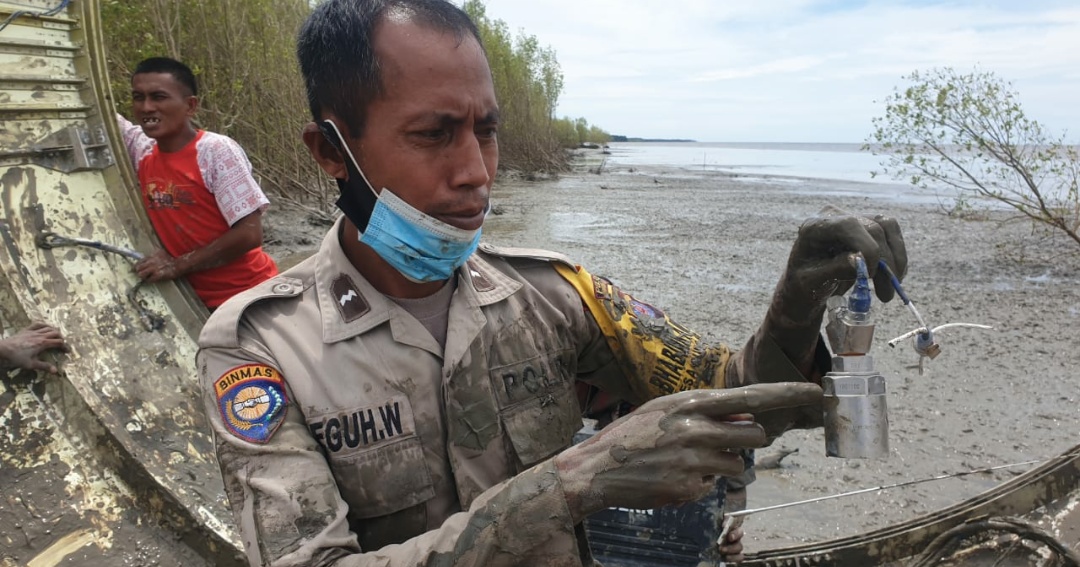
x,y
182,73
336,51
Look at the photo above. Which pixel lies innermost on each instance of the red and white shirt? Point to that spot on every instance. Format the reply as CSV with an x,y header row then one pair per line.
x,y
193,196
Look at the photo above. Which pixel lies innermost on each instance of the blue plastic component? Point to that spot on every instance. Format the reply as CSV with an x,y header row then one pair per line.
x,y
923,342
859,299
895,281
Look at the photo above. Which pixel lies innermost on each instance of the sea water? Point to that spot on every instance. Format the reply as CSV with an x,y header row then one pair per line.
x,y
812,161
821,169
824,169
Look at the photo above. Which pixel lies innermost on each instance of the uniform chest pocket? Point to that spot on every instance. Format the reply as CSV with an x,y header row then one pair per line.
x,y
384,480
376,458
537,405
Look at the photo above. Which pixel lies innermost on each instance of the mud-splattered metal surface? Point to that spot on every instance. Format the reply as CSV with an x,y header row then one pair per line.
x,y
1047,492
108,463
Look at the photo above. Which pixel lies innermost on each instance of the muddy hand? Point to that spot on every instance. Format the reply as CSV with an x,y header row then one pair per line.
x,y
731,549
670,449
159,266
22,349
822,264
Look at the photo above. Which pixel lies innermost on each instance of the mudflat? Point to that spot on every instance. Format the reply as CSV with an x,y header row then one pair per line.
x,y
708,247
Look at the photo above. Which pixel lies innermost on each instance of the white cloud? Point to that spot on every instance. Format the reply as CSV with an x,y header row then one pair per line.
x,y
790,70
779,66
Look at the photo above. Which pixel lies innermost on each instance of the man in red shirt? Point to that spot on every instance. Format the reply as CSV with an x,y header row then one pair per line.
x,y
197,188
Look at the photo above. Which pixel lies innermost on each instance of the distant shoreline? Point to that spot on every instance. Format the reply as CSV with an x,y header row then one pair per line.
x,y
621,139
812,146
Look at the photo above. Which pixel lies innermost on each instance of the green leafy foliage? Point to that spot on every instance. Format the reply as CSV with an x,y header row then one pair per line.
x,y
572,133
242,52
968,133
528,83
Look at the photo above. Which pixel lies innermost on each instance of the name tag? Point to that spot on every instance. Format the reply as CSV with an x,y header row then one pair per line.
x,y
544,374
366,427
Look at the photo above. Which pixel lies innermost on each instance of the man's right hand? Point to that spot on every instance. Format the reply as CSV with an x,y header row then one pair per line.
x,y
159,266
670,449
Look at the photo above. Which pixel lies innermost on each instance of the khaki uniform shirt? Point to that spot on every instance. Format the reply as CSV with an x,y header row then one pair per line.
x,y
346,436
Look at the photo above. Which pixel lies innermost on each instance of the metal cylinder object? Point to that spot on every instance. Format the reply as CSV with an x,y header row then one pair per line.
x,y
849,333
856,413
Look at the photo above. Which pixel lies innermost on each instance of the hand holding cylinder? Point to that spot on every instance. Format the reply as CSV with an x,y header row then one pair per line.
x,y
856,413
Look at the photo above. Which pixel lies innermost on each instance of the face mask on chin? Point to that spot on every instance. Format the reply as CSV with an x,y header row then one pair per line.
x,y
420,247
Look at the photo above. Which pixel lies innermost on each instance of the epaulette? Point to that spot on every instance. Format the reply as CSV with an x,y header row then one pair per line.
x,y
221,329
528,253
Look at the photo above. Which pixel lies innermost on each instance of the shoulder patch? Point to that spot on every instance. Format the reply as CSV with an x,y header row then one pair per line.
x,y
220,329
252,401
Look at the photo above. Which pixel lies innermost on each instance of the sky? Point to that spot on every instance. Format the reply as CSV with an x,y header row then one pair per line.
x,y
792,70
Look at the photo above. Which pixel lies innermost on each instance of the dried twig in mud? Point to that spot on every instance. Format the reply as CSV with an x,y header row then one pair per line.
x,y
945,545
600,168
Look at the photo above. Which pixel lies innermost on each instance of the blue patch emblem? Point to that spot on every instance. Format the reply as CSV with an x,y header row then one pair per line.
x,y
645,310
252,401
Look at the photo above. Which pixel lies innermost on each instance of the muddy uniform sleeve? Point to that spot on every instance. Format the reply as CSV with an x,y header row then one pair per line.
x,y
656,356
762,361
290,512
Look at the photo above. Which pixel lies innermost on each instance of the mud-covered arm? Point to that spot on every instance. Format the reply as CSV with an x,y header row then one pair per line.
x,y
639,353
634,351
646,354
242,236
290,512
762,360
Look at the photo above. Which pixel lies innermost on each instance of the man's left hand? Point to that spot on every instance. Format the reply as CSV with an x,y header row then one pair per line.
x,y
157,267
822,264
22,349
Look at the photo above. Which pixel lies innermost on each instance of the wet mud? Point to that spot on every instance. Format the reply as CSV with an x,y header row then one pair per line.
x,y
709,247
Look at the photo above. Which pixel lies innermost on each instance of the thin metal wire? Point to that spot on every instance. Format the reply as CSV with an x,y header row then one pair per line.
x,y
879,488
921,330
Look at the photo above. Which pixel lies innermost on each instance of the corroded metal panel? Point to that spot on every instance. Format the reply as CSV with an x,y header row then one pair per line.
x,y
1055,480
115,446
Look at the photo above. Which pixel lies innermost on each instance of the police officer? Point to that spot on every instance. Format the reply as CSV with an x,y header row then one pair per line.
x,y
406,396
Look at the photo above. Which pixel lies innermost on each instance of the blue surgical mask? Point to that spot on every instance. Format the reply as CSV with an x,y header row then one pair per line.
x,y
421,247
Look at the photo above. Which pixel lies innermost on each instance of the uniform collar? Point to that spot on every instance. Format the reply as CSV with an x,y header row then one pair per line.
x,y
350,305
